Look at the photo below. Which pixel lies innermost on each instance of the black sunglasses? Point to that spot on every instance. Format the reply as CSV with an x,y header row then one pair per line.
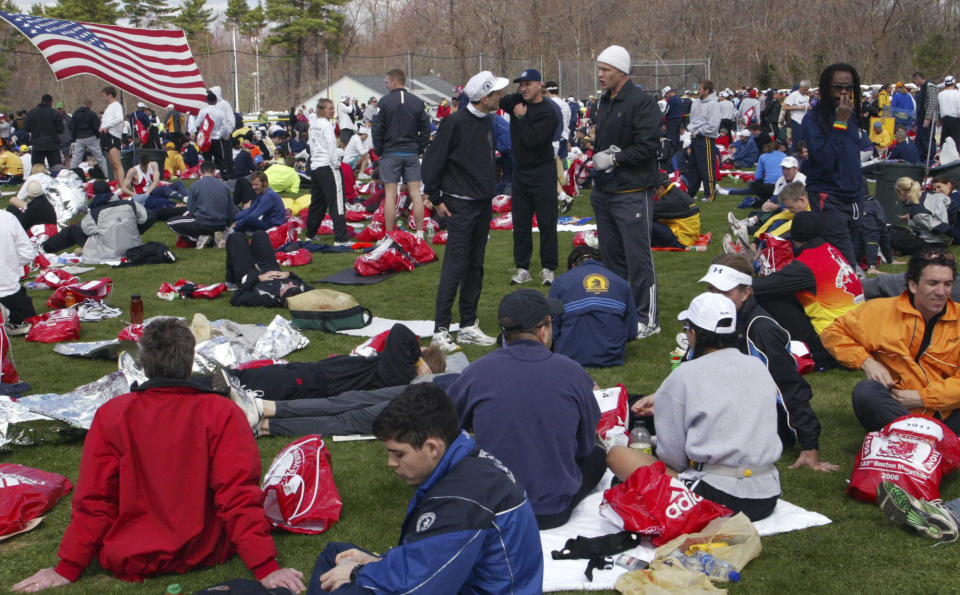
x,y
843,86
939,255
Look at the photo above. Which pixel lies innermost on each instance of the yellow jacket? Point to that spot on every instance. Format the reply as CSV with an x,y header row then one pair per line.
x,y
174,163
890,330
10,164
882,140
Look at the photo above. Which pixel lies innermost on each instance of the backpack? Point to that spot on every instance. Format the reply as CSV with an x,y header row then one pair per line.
x,y
149,253
327,310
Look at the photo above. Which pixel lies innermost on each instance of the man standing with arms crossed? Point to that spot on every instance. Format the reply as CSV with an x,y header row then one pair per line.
x,y
401,132
627,140
797,104
460,179
532,125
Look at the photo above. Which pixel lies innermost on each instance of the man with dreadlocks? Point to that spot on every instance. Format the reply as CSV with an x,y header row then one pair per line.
x,y
832,136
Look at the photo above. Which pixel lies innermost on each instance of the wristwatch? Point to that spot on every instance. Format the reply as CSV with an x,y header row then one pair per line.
x,y
355,572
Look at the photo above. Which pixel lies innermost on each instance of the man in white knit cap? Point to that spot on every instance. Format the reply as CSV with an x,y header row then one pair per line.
x,y
625,163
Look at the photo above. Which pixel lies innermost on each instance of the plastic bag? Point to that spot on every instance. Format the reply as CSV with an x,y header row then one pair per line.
x,y
740,535
586,238
384,258
8,372
613,412
415,247
663,580
502,222
56,278
373,232
299,492
774,254
280,235
295,259
653,503
502,203
96,290
55,326
913,452
440,238
27,493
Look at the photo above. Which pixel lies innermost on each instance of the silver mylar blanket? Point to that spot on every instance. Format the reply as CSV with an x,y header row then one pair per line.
x,y
78,406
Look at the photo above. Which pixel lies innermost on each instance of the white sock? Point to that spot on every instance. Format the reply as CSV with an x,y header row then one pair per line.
x,y
419,235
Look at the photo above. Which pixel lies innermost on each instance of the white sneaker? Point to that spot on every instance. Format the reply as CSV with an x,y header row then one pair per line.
x,y
739,227
202,242
521,276
220,240
644,331
17,330
722,190
731,247
547,276
472,335
347,243
224,382
444,341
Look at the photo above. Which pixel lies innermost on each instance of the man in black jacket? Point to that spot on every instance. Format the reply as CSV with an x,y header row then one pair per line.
x,y
625,165
533,122
459,173
86,139
44,125
762,337
401,131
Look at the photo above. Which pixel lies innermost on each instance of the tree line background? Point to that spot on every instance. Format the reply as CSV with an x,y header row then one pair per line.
x,y
304,43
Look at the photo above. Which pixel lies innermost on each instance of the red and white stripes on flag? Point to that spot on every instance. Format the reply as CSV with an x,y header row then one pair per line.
x,y
155,65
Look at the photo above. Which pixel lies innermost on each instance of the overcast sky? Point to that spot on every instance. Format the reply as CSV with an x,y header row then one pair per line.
x,y
217,5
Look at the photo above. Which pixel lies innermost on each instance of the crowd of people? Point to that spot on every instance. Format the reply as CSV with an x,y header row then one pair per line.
x,y
508,446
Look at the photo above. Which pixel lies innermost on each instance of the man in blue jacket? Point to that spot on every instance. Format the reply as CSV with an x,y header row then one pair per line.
x,y
266,210
469,527
832,135
599,317
534,409
745,150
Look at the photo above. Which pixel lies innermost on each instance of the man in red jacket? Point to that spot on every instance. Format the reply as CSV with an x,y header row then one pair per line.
x,y
140,515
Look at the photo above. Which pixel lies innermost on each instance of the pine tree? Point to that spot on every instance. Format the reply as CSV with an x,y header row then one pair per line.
x,y
159,13
87,11
235,13
254,21
135,11
298,22
194,19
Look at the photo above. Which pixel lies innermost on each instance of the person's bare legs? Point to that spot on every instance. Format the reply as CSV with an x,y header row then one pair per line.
x,y
413,191
623,461
113,156
390,206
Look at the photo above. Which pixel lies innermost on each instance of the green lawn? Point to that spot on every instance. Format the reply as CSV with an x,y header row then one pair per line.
x,y
859,552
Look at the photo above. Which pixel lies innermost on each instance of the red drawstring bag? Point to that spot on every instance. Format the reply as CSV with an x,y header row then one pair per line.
x,y
373,232
613,411
8,372
27,493
299,492
417,248
295,259
914,452
56,278
54,326
96,290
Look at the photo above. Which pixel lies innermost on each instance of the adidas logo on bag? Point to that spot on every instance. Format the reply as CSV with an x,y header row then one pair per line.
x,y
682,500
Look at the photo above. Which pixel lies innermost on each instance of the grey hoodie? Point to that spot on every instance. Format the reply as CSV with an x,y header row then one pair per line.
x,y
705,117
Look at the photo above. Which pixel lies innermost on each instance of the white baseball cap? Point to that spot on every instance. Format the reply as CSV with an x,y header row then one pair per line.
x,y
712,312
790,162
482,84
949,80
744,132
725,278
141,104
666,90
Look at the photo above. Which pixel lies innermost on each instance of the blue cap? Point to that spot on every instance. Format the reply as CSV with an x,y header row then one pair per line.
x,y
530,74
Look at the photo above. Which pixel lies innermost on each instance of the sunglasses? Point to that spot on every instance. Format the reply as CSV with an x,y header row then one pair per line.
x,y
933,255
686,326
840,87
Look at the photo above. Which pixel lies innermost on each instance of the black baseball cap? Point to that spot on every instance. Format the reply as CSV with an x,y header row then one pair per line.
x,y
526,308
530,74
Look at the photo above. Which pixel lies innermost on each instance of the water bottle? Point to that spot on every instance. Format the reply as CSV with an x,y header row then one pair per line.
x,y
640,439
705,563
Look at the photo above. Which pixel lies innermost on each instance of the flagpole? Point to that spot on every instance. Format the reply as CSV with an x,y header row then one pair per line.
x,y
236,75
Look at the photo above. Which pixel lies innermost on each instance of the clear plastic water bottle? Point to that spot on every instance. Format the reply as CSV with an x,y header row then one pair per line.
x,y
705,563
640,439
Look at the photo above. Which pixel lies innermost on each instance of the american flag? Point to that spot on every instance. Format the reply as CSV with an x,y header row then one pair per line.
x,y
155,65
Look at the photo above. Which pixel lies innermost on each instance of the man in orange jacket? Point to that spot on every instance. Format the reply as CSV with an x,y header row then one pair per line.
x,y
140,515
906,345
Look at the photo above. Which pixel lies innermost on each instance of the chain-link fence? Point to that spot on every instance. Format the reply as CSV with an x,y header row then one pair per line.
x,y
268,80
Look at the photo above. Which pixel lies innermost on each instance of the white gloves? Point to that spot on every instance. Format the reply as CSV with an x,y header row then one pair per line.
x,y
603,160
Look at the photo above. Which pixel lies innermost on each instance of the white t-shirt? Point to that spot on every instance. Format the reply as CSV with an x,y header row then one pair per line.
x,y
344,112
781,182
796,98
17,251
354,148
113,119
949,100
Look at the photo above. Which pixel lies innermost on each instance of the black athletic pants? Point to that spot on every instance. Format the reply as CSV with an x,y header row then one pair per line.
x,y
535,191
19,305
254,257
789,313
326,195
187,226
467,231
875,407
704,154
351,412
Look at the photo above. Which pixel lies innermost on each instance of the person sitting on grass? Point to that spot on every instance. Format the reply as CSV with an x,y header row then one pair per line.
x,y
253,271
676,219
264,211
744,149
35,210
469,527
929,518
138,514
761,336
795,200
927,217
599,317
534,409
210,209
906,345
715,417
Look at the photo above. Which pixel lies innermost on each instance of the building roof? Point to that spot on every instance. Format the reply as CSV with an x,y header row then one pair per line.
x,y
430,89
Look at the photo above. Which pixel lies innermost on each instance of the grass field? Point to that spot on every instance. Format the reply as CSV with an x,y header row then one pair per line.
x,y
859,552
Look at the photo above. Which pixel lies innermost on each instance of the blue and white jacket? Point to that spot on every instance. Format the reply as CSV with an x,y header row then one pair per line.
x,y
469,529
599,315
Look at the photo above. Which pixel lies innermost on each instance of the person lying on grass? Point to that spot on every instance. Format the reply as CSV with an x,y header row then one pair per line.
x,y
269,390
715,417
139,515
469,527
